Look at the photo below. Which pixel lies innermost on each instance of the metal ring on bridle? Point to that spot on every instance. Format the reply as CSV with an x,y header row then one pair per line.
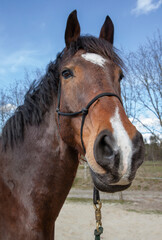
x,y
85,111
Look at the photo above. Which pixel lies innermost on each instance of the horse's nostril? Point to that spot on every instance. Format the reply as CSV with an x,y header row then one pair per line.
x,y
105,146
104,150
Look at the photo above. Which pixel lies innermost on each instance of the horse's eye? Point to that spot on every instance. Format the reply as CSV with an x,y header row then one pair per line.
x,y
121,76
67,73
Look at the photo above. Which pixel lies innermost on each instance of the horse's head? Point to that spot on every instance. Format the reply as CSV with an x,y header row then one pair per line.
x,y
89,67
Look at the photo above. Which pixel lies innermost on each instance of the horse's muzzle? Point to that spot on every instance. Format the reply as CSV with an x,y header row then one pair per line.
x,y
119,172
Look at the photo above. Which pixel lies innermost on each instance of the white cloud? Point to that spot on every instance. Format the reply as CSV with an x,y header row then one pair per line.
x,y
152,123
8,107
17,59
146,6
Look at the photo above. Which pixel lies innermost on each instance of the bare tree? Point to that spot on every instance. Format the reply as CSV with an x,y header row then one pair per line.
x,y
129,96
13,96
2,108
142,90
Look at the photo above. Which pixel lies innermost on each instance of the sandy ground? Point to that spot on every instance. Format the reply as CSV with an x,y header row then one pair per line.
x,y
76,221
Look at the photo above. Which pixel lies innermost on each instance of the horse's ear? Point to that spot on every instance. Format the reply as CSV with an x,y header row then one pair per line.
x,y
72,31
107,30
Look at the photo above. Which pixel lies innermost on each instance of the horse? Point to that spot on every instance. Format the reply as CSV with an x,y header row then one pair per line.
x,y
75,108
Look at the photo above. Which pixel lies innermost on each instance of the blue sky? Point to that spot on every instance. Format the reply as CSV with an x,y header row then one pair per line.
x,y
32,32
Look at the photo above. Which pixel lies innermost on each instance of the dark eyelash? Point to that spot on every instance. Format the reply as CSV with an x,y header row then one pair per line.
x,y
121,77
67,73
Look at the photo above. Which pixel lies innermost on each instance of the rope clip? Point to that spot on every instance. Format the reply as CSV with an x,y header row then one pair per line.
x,y
98,216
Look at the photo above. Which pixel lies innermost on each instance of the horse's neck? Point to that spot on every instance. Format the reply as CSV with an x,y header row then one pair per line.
x,y
39,173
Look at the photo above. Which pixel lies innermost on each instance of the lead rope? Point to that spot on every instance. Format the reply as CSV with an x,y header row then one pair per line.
x,y
97,206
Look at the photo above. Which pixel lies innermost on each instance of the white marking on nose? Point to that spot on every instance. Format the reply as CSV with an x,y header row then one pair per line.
x,y
94,58
124,145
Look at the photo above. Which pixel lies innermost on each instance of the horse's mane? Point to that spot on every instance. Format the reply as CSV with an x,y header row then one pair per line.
x,y
40,96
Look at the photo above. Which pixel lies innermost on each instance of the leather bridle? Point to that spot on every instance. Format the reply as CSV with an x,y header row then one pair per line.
x,y
82,112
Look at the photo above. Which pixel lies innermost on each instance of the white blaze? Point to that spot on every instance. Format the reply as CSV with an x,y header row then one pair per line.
x,y
94,58
124,146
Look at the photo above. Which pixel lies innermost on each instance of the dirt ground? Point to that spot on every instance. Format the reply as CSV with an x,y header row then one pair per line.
x,y
137,218
76,221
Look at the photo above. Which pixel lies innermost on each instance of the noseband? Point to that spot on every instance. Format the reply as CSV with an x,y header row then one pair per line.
x,y
84,111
